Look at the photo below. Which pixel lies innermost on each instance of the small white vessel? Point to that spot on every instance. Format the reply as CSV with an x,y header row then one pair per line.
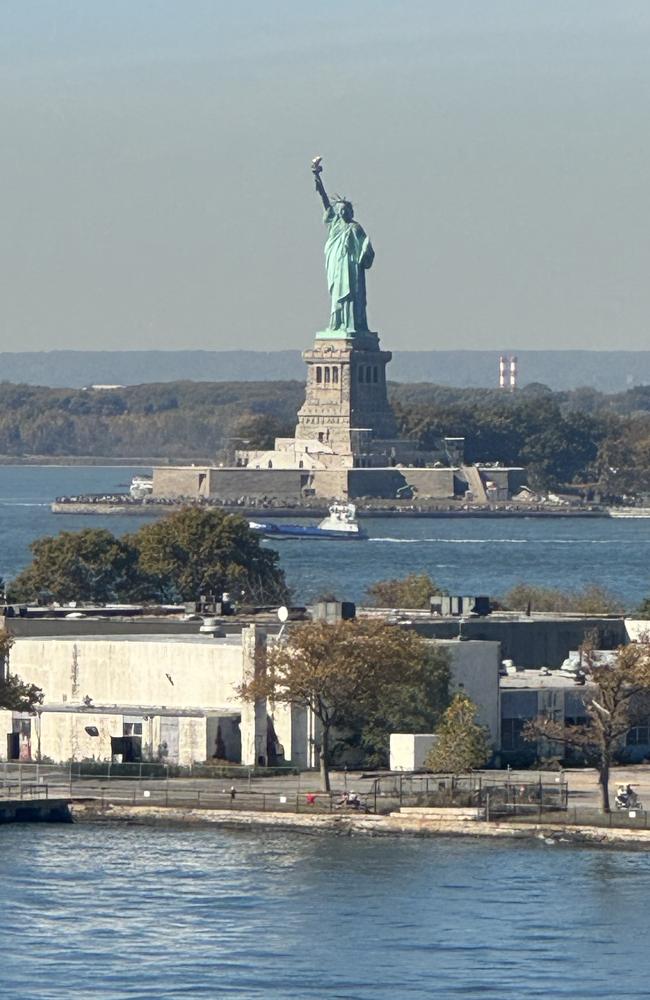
x,y
141,487
629,511
341,524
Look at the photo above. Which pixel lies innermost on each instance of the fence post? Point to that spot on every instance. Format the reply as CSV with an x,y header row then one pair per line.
x,y
400,791
487,807
297,802
376,794
198,798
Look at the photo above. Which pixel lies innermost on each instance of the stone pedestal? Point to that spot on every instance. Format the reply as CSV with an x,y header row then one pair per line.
x,y
346,404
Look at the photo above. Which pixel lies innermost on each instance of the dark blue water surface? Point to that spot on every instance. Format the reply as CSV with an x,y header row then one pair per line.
x,y
472,556
115,912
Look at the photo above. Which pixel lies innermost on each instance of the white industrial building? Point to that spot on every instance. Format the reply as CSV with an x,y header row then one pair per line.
x,y
158,697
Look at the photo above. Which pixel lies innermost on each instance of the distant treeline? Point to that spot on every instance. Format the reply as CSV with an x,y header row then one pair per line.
x,y
608,371
578,436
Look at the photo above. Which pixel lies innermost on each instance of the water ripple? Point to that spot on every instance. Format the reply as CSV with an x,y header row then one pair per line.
x,y
134,914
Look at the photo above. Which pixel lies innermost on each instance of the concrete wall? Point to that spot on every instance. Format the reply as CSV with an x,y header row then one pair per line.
x,y
192,674
132,672
181,481
291,728
230,484
475,670
287,484
408,751
437,483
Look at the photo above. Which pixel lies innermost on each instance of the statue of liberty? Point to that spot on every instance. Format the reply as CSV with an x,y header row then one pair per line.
x,y
348,255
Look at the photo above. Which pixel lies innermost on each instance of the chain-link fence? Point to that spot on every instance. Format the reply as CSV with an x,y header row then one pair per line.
x,y
517,797
237,789
498,796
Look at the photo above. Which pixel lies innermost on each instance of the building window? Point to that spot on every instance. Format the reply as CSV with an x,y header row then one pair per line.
x,y
321,436
375,374
511,738
327,376
335,375
319,374
360,373
368,373
638,736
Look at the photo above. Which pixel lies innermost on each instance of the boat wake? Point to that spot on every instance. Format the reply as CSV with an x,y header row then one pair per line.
x,y
21,503
453,541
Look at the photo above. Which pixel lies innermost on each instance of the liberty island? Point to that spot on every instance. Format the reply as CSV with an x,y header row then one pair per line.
x,y
346,442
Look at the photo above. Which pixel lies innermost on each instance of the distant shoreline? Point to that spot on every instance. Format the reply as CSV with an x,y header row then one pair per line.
x,y
102,461
153,509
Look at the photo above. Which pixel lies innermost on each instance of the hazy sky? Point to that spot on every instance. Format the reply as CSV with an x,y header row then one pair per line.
x,y
156,186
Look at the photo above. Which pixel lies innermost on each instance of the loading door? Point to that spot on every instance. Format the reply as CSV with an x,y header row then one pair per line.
x,y
168,750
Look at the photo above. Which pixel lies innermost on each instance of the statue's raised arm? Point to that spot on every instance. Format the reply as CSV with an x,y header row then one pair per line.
x,y
317,171
348,255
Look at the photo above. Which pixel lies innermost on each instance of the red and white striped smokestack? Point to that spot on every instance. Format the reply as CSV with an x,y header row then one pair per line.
x,y
513,373
502,372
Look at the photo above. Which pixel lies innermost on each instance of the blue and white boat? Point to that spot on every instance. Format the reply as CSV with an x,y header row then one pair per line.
x,y
340,524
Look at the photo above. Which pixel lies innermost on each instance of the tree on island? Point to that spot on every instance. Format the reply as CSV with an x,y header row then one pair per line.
x,y
88,565
591,600
462,744
339,672
186,554
413,706
617,698
411,591
14,693
195,551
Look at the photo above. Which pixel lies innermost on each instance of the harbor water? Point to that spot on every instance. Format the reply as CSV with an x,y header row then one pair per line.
x,y
154,913
470,556
127,913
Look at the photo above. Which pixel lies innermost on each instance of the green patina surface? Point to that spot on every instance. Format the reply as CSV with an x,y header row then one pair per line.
x,y
348,255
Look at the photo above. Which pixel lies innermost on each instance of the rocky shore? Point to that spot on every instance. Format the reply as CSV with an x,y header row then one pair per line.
x,y
364,510
414,823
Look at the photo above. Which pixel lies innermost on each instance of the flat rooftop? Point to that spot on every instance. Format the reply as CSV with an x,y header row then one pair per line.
x,y
232,639
535,679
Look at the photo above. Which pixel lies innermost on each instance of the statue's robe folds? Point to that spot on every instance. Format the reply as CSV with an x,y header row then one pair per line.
x,y
348,255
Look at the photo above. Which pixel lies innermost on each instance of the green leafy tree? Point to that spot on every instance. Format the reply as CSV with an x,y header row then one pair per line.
x,y
616,697
196,551
412,591
462,744
413,706
336,670
14,693
189,553
88,565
